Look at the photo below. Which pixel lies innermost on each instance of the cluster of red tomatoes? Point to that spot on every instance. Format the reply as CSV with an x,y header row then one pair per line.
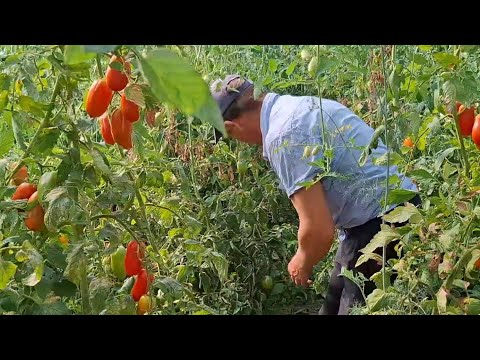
x,y
134,267
26,191
116,128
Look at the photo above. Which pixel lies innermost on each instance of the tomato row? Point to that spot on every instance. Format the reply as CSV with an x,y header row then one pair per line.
x,y
118,127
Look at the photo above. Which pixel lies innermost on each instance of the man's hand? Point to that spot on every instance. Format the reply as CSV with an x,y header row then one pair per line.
x,y
315,233
299,270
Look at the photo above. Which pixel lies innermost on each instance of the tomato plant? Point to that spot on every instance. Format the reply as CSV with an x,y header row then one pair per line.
x,y
216,233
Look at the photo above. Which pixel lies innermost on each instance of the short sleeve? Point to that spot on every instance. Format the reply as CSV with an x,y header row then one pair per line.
x,y
285,155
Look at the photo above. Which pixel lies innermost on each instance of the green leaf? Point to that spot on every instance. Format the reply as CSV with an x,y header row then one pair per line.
x,y
382,238
59,212
44,287
221,265
399,196
450,92
424,131
99,290
366,257
134,93
64,288
291,68
17,127
76,54
56,194
33,266
174,80
420,174
425,47
272,65
378,279
99,48
100,164
3,99
471,271
55,256
46,141
170,287
446,59
448,170
440,158
31,106
76,263
278,288
472,306
401,214
395,159
54,307
419,59
6,137
376,300
7,271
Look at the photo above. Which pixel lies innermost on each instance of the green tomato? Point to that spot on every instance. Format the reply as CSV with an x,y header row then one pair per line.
x,y
118,263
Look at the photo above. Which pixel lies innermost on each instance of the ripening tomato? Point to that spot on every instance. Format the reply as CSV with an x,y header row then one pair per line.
x,y
476,131
35,217
117,80
477,264
408,142
134,258
98,98
106,129
141,285
24,191
130,110
466,118
144,305
21,175
121,130
63,239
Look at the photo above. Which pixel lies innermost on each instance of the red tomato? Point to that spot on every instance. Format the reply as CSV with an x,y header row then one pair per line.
x,y
476,131
24,191
117,80
466,118
35,217
130,110
121,130
106,129
134,258
98,98
140,287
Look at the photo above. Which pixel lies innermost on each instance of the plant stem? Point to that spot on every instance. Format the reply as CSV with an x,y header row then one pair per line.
x,y
109,216
99,66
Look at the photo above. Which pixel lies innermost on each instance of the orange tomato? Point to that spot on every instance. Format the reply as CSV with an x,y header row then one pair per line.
x,y
408,142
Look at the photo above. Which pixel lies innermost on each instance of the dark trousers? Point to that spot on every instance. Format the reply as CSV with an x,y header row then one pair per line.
x,y
343,293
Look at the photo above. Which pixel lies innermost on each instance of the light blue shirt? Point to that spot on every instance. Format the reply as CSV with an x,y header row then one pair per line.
x,y
289,123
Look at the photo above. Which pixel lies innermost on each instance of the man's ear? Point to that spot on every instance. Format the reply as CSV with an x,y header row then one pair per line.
x,y
232,128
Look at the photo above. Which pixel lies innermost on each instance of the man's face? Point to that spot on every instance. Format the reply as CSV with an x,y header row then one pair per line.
x,y
245,128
